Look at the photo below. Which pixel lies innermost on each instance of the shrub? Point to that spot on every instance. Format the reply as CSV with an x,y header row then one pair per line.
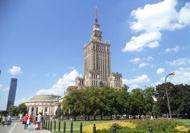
x,y
105,127
182,128
139,126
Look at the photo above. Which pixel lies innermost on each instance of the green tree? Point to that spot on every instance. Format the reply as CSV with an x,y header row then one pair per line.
x,y
148,93
136,102
22,108
155,110
179,98
71,103
58,112
13,110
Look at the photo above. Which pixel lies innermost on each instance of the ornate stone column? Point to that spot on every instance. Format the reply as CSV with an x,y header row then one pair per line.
x,y
29,110
34,112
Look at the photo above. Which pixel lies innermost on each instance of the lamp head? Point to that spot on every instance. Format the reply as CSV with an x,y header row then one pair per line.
x,y
173,73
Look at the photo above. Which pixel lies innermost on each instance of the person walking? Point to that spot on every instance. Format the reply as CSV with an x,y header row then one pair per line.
x,y
8,120
20,117
29,121
25,121
3,120
38,122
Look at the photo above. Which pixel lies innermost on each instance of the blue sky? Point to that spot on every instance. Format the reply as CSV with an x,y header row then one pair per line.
x,y
41,42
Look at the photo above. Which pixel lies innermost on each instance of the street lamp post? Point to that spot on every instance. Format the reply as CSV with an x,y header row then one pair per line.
x,y
168,101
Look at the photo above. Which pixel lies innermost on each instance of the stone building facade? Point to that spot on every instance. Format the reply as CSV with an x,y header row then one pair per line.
x,y
45,104
97,63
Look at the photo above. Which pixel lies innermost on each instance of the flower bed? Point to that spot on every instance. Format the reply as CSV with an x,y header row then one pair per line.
x,y
139,126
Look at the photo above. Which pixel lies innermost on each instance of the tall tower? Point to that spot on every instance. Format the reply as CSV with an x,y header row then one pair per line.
x,y
97,68
12,93
96,59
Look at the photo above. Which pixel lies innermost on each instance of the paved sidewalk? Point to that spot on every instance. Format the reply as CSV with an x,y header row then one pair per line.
x,y
17,127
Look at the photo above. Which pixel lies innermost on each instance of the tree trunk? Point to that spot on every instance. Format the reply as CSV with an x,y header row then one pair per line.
x,y
85,117
101,117
111,117
126,117
74,117
94,117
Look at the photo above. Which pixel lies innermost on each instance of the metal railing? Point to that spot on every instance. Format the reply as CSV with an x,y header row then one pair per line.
x,y
52,126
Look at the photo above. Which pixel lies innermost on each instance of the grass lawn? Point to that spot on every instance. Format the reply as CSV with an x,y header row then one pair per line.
x,y
141,126
184,121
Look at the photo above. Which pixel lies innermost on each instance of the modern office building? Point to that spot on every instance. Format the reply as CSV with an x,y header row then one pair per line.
x,y
12,93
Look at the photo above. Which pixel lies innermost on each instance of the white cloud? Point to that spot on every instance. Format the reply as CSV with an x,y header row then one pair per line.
x,y
184,15
136,81
179,62
182,76
160,70
61,85
143,64
3,88
15,70
22,100
152,19
155,17
175,49
149,58
148,39
135,60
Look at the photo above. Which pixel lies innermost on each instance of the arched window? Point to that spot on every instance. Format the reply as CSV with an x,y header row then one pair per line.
x,y
36,110
32,110
45,109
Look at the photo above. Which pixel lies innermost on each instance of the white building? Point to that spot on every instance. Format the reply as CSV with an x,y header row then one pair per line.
x,y
45,104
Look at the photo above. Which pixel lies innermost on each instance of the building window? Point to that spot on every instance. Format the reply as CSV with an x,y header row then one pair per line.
x,y
36,110
32,111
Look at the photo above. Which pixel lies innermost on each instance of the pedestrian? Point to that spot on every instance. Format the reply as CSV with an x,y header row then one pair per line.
x,y
8,120
3,120
20,117
38,122
29,121
25,121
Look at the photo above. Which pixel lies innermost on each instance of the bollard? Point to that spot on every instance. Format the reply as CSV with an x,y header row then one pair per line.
x,y
71,130
59,126
94,128
42,124
81,127
64,127
54,125
48,124
45,124
150,130
51,126
114,129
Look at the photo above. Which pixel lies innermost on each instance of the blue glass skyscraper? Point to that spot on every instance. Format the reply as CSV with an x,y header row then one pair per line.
x,y
12,93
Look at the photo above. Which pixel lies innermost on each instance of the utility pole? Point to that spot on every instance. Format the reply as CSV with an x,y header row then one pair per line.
x,y
166,89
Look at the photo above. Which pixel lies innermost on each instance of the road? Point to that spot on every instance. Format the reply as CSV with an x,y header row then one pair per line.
x,y
17,127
